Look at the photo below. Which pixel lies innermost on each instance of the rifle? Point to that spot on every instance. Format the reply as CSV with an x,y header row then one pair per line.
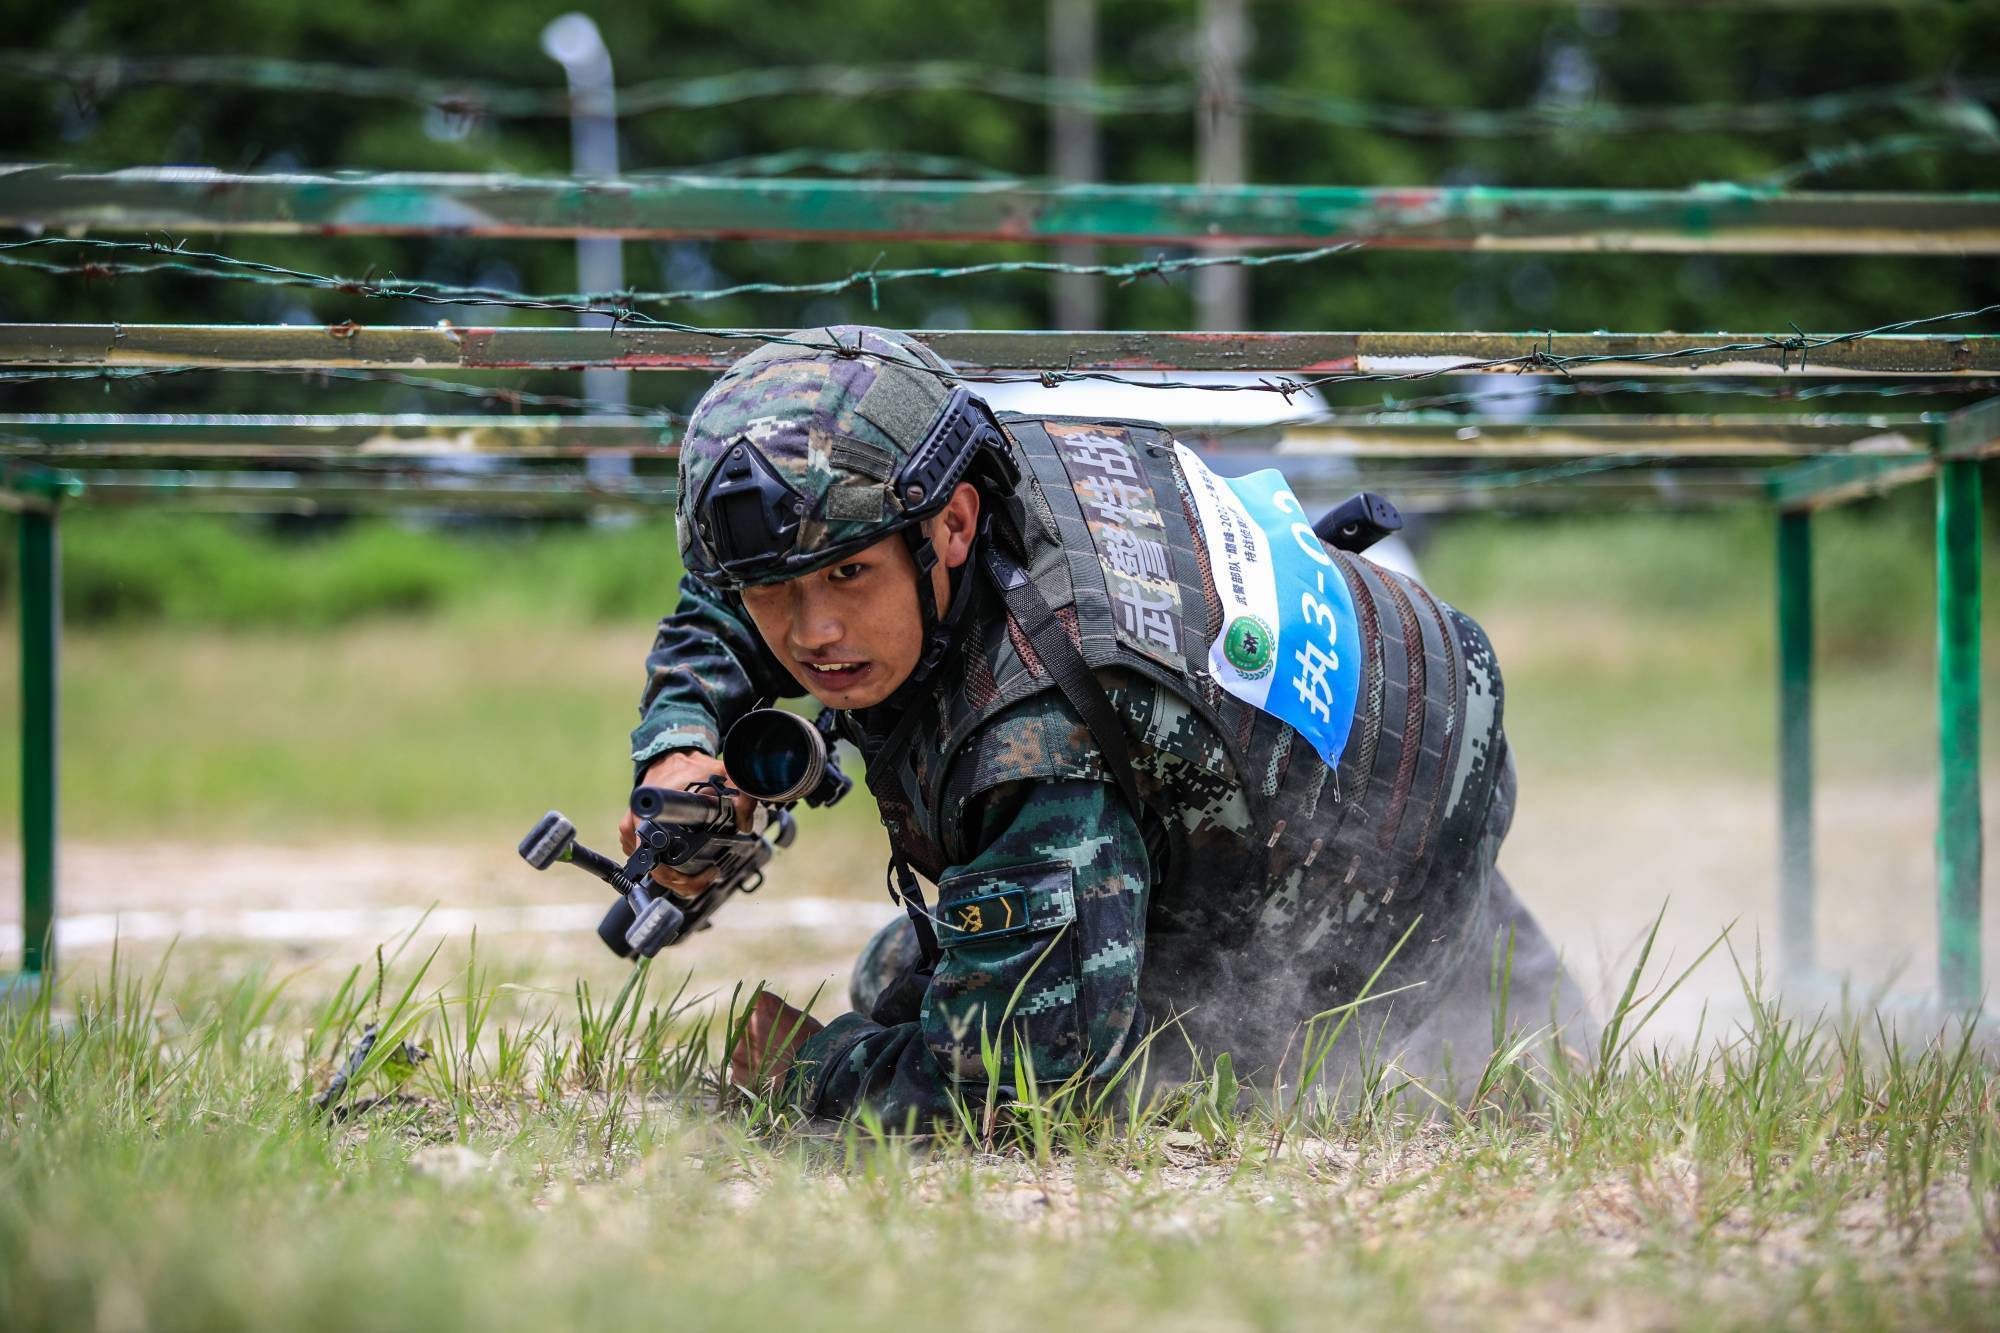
x,y
779,759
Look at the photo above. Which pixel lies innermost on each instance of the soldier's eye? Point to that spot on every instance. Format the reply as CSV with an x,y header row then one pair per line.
x,y
842,573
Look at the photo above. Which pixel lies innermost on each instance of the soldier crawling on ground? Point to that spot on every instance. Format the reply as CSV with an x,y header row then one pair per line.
x,y
1164,756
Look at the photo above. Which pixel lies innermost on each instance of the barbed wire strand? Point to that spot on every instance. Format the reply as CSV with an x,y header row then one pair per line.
x,y
210,265
480,471
1543,360
1825,161
509,398
884,162
95,77
894,164
1506,391
1535,391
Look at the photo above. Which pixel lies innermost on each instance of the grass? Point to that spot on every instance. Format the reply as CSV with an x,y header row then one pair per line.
x,y
567,1150
560,1157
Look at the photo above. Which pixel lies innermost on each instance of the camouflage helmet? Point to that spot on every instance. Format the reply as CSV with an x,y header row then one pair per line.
x,y
815,446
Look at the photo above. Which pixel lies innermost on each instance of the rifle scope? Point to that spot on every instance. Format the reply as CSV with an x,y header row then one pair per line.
x,y
779,757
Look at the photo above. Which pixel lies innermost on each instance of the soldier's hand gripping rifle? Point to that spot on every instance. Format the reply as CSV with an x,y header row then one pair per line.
x,y
777,758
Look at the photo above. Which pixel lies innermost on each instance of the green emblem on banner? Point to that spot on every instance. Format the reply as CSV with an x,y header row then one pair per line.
x,y
1249,646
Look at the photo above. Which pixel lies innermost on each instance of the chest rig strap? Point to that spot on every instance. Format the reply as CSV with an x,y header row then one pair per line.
x,y
1071,674
903,886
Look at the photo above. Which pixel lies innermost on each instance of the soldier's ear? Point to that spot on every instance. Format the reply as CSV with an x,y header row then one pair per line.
x,y
957,523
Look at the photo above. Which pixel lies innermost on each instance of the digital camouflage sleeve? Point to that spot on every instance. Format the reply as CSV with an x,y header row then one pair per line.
x,y
1041,937
707,668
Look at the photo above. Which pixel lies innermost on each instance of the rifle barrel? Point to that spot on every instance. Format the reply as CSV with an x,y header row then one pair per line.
x,y
686,808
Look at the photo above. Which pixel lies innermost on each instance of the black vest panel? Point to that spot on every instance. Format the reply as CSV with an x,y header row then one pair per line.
x,y
1279,884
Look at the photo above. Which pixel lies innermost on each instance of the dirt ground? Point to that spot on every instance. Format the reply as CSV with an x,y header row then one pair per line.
x,y
1595,862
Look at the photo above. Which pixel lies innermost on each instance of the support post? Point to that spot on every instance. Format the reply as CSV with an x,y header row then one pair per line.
x,y
1222,293
1795,747
1073,151
41,630
574,42
1959,852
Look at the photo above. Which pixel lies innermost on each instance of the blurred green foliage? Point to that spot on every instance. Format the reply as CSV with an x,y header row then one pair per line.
x,y
125,568
138,568
1873,566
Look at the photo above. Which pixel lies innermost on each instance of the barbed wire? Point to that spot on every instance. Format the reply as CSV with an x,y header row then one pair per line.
x,y
1537,390
1515,478
1822,161
1506,391
480,468
509,398
95,77
885,162
890,164
1540,361
177,259
1543,361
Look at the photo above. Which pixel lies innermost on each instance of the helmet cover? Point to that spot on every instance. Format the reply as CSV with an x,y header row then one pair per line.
x,y
789,459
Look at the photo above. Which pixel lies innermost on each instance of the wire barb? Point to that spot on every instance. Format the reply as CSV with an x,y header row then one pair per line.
x,y
90,79
619,306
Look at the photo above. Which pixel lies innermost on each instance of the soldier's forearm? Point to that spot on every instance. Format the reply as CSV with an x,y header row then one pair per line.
x,y
707,666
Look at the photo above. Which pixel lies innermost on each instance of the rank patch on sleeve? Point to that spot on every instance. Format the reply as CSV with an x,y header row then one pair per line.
x,y
982,905
988,916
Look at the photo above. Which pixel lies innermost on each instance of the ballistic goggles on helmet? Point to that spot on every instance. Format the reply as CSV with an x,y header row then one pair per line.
x,y
747,517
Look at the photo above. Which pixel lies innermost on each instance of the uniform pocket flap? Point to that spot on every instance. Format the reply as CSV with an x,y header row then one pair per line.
x,y
1012,900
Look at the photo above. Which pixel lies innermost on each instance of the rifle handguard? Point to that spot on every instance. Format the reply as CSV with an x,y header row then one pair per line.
x,y
695,831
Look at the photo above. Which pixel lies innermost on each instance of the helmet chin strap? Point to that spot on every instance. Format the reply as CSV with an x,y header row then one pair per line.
x,y
939,631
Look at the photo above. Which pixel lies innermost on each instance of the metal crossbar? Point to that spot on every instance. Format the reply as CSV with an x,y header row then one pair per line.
x,y
390,489
1721,219
515,464
74,439
1052,356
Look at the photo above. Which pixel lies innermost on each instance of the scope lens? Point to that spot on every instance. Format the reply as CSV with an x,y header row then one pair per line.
x,y
775,770
774,755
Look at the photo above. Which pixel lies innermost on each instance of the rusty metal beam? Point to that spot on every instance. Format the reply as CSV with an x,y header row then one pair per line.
x,y
281,439
982,352
389,490
1973,432
1713,218
1738,435
387,487
1821,482
1969,433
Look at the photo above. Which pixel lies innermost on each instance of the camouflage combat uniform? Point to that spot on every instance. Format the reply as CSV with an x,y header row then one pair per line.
x,y
1254,888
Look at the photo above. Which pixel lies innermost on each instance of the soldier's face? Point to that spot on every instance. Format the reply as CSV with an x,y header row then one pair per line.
x,y
852,633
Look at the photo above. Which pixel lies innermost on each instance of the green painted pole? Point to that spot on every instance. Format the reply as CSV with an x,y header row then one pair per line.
x,y
1795,747
41,630
1721,219
1958,840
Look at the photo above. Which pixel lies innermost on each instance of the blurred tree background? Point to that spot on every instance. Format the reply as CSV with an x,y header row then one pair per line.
x,y
1555,57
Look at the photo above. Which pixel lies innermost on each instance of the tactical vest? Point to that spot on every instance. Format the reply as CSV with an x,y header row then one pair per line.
x,y
1278,884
